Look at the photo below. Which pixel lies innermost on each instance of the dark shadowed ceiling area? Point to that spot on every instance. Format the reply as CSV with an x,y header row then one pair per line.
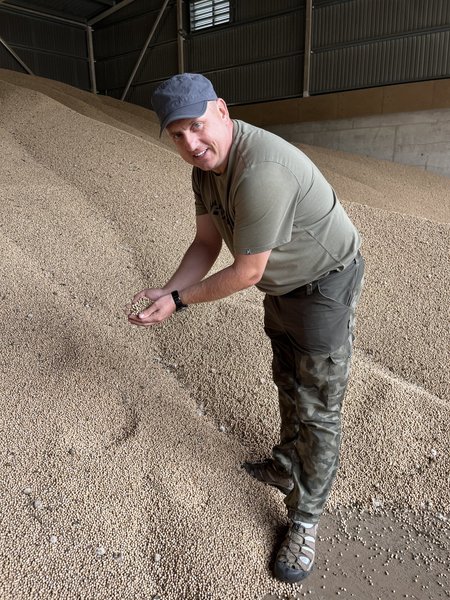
x,y
81,11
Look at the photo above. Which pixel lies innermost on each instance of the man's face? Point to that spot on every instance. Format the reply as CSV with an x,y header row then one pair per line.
x,y
205,142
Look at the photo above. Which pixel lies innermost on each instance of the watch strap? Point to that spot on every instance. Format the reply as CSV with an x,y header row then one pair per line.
x,y
178,303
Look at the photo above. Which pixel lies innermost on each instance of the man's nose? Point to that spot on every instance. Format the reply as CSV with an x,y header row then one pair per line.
x,y
190,141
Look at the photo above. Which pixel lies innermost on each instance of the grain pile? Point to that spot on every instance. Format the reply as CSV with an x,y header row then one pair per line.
x,y
121,448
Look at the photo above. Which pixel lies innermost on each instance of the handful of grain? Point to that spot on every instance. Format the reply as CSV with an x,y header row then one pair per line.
x,y
140,305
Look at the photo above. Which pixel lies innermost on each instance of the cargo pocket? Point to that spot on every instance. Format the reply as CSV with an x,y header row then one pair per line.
x,y
338,372
340,286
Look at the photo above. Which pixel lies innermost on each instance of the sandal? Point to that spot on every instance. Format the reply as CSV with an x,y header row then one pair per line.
x,y
295,557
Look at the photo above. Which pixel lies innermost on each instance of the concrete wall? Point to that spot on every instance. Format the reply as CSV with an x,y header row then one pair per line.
x,y
407,123
415,138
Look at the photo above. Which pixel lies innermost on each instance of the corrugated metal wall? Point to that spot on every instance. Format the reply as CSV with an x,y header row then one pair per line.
x,y
254,59
50,49
363,43
118,41
258,56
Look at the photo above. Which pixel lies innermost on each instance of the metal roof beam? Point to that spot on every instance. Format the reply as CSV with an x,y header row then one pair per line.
x,y
45,15
18,59
144,49
108,12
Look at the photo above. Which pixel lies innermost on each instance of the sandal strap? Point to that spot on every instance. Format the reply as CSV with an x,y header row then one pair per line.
x,y
298,548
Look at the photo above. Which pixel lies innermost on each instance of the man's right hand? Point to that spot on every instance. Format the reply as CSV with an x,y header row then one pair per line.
x,y
161,308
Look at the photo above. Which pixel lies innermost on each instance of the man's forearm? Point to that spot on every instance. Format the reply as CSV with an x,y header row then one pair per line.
x,y
219,285
195,264
244,272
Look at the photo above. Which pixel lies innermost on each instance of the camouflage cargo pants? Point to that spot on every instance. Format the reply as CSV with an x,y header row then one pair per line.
x,y
311,332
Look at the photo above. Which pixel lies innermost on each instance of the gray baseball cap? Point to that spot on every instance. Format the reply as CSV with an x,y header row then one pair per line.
x,y
182,96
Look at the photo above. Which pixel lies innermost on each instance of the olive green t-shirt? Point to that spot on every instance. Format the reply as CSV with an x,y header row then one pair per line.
x,y
272,197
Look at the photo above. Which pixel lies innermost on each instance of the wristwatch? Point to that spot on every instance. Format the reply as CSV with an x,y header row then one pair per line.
x,y
178,303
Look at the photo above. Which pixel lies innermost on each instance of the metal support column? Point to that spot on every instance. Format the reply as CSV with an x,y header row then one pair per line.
x,y
308,46
18,59
180,36
91,57
144,49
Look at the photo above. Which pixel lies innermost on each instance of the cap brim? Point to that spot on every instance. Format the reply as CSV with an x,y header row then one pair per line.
x,y
186,112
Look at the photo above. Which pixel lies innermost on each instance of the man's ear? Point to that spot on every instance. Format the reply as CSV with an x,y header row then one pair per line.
x,y
222,108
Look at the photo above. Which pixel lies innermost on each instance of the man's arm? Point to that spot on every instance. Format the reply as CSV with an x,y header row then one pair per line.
x,y
200,256
196,263
245,271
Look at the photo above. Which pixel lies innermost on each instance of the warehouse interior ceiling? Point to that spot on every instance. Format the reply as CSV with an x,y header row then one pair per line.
x,y
83,12
265,50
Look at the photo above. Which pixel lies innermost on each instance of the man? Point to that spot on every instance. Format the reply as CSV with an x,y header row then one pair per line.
x,y
289,236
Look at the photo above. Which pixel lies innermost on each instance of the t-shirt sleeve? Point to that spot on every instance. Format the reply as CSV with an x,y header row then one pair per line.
x,y
200,208
265,204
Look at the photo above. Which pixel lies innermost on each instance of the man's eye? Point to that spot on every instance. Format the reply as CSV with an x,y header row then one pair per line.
x,y
196,125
